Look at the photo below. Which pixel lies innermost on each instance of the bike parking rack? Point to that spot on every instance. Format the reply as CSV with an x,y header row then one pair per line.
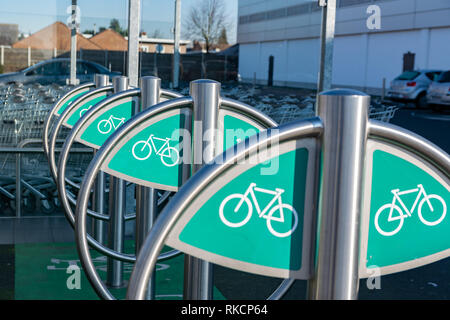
x,y
354,155
204,96
122,95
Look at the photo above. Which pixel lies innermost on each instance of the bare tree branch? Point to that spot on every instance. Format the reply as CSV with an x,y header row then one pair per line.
x,y
205,21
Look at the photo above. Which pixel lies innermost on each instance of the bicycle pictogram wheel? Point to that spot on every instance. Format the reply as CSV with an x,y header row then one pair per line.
x,y
141,150
385,211
238,216
170,157
284,220
104,126
437,205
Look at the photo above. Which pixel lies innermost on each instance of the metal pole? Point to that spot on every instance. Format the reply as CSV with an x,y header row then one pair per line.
x,y
29,56
198,274
98,196
344,114
134,23
73,46
117,207
147,198
176,45
326,44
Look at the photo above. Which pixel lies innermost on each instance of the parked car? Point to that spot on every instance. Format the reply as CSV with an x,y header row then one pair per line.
x,y
56,71
412,86
439,91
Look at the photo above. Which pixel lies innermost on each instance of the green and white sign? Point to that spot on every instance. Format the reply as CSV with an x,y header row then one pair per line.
x,y
69,98
84,104
160,148
254,222
104,122
152,154
236,128
405,222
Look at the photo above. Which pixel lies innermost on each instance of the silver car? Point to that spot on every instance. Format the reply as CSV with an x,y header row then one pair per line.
x,y
439,91
412,86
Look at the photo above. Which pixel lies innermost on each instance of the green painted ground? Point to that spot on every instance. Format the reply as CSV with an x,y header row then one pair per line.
x,y
41,273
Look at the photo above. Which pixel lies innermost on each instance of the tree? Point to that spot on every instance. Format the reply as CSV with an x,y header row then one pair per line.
x,y
115,25
206,21
223,37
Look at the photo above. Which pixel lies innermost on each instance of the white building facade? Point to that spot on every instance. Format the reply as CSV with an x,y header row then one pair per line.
x,y
289,30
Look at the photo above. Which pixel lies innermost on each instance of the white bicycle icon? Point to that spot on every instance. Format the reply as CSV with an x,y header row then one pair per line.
x,y
240,218
143,149
395,221
83,111
105,126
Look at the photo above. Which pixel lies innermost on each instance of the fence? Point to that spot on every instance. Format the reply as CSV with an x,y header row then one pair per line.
x,y
192,66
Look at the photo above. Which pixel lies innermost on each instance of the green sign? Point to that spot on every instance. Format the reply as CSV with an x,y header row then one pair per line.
x,y
405,220
154,152
159,145
80,110
251,221
69,99
103,123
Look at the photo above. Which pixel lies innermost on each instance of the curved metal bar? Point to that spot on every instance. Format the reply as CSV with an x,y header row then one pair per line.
x,y
82,238
48,123
411,141
59,123
279,292
155,240
60,176
170,94
248,110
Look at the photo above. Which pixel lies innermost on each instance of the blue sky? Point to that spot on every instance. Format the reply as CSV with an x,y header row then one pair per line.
x,y
32,15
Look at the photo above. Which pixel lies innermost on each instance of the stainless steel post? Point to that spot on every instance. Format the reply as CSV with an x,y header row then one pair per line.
x,y
117,206
134,24
326,44
198,274
344,114
73,45
98,196
176,44
147,198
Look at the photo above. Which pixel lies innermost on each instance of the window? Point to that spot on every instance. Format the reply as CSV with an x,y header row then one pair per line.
x,y
47,69
408,75
433,76
445,77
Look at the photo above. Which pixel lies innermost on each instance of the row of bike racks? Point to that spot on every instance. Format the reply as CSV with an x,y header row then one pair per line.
x,y
109,109
185,154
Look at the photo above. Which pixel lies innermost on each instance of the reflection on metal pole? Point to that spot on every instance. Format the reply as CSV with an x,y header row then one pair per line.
x,y
73,45
147,198
134,23
176,44
326,44
344,114
198,274
117,206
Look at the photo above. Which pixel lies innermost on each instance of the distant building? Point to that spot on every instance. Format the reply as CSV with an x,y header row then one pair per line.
x,y
290,30
110,40
147,44
9,33
198,46
55,36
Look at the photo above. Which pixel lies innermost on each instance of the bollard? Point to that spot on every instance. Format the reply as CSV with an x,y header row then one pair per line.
x,y
147,198
98,197
117,205
198,276
344,114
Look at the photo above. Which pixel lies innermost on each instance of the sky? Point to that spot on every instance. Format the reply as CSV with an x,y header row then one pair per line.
x,y
32,15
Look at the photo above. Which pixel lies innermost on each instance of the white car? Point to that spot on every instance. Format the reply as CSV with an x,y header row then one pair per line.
x,y
439,91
